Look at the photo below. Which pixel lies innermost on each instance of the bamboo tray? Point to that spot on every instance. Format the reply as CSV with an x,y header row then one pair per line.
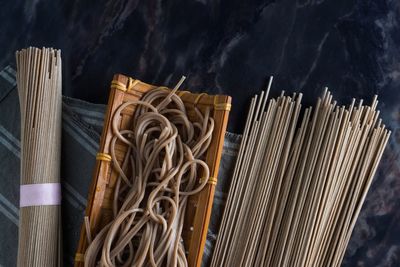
x,y
199,206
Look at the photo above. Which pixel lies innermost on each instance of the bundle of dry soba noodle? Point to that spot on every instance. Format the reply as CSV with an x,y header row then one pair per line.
x,y
299,182
39,88
159,172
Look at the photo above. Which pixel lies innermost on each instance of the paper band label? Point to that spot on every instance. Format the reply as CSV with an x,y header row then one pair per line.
x,y
40,195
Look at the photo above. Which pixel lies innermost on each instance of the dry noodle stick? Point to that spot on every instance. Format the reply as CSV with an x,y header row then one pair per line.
x,y
273,156
339,206
264,191
275,225
324,207
264,183
39,89
254,209
307,192
341,232
314,193
364,193
337,231
303,234
235,185
332,136
250,187
298,187
262,255
336,219
280,101
342,141
326,235
264,122
320,114
289,207
252,174
286,181
290,126
384,139
245,168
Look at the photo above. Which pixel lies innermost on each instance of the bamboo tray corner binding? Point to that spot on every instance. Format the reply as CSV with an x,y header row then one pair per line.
x,y
199,207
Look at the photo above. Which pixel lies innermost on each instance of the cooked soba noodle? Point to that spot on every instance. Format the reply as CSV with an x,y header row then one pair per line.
x,y
160,170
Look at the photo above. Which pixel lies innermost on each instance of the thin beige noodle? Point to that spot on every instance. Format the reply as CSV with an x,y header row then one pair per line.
x,y
39,89
296,193
164,159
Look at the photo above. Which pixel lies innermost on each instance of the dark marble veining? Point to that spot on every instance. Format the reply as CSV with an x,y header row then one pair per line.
x,y
231,47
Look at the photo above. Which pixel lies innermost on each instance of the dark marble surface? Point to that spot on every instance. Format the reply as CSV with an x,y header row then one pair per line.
x,y
231,47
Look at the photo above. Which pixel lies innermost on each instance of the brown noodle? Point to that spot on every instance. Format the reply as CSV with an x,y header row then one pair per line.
x,y
164,160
